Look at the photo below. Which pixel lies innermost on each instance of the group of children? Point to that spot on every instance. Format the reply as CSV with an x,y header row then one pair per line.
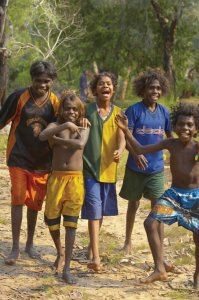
x,y
77,148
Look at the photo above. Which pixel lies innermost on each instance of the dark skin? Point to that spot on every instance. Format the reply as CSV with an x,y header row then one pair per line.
x,y
185,175
104,92
41,86
67,141
151,96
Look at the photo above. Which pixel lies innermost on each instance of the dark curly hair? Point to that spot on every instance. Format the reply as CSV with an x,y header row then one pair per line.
x,y
94,82
185,109
145,78
69,95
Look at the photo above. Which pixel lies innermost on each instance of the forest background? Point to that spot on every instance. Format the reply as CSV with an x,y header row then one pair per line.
x,y
121,36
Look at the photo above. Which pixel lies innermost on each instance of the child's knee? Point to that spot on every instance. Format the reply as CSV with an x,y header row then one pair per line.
x,y
150,224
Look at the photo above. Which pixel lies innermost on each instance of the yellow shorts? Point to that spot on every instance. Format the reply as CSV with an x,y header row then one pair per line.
x,y
65,195
27,187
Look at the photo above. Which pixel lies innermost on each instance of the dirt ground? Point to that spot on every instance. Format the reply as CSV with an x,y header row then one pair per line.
x,y
119,278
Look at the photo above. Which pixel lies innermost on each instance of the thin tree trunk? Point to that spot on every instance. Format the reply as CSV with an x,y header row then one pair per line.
x,y
3,52
168,28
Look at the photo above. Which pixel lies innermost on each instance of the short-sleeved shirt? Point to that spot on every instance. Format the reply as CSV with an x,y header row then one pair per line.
x,y
24,149
102,142
148,128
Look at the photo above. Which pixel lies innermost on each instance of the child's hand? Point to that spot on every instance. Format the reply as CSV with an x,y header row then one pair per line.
x,y
121,121
72,127
141,162
117,155
84,122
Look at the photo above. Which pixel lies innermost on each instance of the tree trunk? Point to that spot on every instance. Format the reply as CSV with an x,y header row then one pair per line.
x,y
3,52
121,95
168,28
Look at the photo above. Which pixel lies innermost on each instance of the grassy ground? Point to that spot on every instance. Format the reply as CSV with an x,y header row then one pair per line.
x,y
3,143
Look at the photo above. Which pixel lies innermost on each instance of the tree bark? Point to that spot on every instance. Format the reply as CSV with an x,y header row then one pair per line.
x,y
168,28
3,52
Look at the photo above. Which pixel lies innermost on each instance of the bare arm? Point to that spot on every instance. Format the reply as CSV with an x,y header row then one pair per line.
x,y
122,123
121,141
139,149
140,160
169,134
78,143
53,129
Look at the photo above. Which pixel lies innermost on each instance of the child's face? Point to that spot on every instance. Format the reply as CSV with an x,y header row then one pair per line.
x,y
104,90
152,92
41,85
70,111
185,128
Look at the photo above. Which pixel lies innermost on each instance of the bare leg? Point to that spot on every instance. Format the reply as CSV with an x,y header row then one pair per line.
x,y
94,227
89,251
169,267
16,219
130,220
155,243
55,234
31,222
196,273
69,242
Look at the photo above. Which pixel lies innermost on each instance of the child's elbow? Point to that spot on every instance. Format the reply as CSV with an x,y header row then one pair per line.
x,y
42,137
81,146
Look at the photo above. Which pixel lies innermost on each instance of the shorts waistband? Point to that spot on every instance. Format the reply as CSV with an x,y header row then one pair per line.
x,y
184,191
66,173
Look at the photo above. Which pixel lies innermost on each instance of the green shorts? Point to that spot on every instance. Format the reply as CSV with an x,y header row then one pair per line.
x,y
137,185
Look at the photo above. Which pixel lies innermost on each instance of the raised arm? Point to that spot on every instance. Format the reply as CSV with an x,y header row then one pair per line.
x,y
122,123
53,129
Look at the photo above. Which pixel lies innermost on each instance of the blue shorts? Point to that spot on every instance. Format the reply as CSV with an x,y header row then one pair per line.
x,y
100,200
177,205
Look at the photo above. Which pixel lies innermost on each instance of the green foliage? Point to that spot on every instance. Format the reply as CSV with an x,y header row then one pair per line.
x,y
118,35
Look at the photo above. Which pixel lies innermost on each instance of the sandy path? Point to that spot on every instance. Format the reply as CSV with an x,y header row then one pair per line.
x,y
34,279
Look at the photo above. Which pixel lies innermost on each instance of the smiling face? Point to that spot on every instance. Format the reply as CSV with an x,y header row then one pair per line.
x,y
70,111
41,85
104,89
185,128
152,93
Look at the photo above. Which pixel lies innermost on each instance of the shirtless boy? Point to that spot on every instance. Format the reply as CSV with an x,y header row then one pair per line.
x,y
65,187
179,203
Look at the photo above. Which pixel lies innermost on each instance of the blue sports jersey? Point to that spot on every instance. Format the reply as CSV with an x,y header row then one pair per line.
x,y
148,128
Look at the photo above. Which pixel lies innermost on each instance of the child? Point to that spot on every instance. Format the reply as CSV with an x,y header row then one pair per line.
x,y
148,122
176,204
102,152
30,110
65,188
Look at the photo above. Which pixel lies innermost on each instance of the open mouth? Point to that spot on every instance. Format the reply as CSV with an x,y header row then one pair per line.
x,y
106,93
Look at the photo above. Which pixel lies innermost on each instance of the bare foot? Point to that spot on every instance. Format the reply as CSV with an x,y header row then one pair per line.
x,y
169,267
94,265
155,276
89,252
126,249
32,252
196,281
68,278
58,262
12,257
